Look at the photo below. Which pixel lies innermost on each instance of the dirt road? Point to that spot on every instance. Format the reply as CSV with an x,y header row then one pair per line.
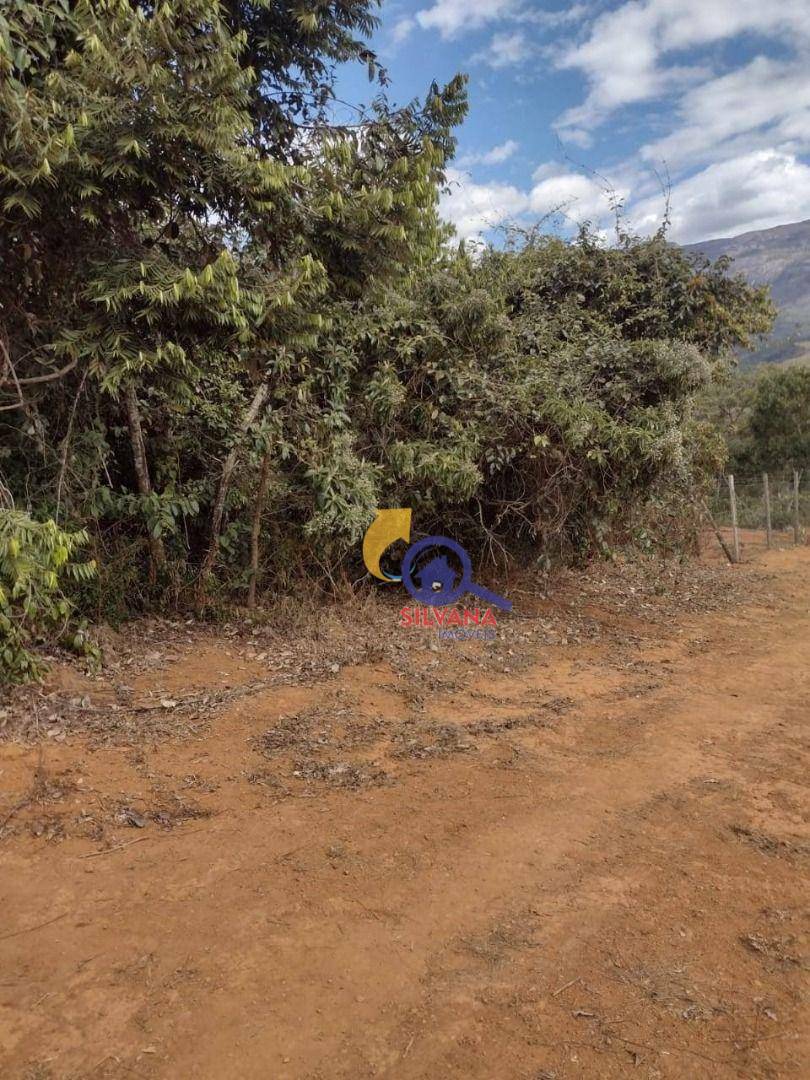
x,y
582,857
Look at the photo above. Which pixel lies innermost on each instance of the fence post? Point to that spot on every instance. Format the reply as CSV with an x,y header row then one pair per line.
x,y
735,531
797,528
767,490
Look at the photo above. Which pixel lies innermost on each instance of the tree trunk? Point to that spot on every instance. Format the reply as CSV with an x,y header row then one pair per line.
x,y
261,498
218,511
156,548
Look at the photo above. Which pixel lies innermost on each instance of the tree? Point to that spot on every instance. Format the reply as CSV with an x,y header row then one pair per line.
x,y
172,208
779,422
293,50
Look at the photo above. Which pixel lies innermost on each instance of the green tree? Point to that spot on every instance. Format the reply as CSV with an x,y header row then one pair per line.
x,y
160,226
35,558
779,421
726,406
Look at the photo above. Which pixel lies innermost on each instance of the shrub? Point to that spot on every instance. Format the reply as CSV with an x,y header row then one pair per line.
x,y
35,557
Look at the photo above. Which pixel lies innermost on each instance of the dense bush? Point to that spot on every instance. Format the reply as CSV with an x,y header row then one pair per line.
x,y
35,558
512,418
229,331
779,421
764,418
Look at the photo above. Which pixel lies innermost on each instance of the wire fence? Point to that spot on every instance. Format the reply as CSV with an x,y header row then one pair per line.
x,y
762,510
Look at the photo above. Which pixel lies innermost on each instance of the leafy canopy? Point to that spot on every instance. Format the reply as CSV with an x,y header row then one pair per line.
x,y
230,328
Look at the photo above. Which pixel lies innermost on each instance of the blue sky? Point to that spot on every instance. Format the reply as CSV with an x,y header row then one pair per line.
x,y
713,93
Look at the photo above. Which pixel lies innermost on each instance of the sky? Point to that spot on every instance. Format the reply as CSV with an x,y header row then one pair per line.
x,y
708,99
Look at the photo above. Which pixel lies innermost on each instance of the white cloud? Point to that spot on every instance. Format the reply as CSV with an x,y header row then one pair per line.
x,y
756,190
692,22
766,102
580,198
735,141
631,53
475,208
753,191
403,28
453,17
496,156
505,50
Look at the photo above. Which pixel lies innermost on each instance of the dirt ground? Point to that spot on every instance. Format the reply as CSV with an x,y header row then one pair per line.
x,y
578,851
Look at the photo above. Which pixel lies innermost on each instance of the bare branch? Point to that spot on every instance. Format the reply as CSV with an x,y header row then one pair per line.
x,y
37,379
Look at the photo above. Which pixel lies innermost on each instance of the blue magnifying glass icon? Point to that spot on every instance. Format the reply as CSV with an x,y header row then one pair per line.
x,y
439,573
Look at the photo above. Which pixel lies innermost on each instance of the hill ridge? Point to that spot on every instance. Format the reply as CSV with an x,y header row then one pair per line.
x,y
778,257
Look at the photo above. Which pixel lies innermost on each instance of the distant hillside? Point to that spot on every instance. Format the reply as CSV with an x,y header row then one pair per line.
x,y
780,258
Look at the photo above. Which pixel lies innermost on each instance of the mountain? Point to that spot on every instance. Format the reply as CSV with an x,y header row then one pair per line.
x,y
780,258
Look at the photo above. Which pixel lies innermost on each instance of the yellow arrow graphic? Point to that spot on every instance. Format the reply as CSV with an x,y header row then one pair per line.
x,y
386,528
